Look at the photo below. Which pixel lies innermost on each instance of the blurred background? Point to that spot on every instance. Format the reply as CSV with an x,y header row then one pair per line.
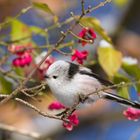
x,y
101,121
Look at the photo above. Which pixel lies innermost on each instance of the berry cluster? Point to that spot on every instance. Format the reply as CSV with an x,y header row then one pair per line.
x,y
73,118
86,35
23,54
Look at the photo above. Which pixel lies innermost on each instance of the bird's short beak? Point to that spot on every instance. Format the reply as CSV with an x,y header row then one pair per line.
x,y
46,76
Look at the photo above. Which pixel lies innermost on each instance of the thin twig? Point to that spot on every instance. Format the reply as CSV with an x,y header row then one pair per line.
x,y
28,95
63,53
82,39
37,110
45,114
2,43
67,44
83,6
122,84
3,59
89,10
36,87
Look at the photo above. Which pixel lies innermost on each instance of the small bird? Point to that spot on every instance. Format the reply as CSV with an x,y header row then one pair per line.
x,y
69,82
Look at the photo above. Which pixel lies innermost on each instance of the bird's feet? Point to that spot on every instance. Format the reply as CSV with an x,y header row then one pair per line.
x,y
67,112
82,98
62,113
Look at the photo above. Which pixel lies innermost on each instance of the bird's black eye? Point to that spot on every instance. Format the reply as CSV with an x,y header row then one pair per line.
x,y
54,77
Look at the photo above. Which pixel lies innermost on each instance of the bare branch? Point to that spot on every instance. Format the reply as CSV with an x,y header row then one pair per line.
x,y
45,114
83,8
82,39
37,110
89,10
63,53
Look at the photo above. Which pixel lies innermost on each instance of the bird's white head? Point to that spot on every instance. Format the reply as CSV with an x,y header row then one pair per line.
x,y
57,73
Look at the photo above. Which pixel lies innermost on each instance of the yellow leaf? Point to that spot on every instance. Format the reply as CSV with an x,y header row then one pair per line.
x,y
120,3
110,60
55,19
19,31
43,6
123,92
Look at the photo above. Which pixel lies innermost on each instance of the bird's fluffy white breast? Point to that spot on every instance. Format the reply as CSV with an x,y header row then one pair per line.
x,y
69,92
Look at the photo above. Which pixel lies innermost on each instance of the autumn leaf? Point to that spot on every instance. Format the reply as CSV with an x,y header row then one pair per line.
x,y
43,6
134,71
110,60
123,92
21,31
38,30
5,85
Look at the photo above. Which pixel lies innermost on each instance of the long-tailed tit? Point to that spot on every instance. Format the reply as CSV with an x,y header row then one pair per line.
x,y
67,81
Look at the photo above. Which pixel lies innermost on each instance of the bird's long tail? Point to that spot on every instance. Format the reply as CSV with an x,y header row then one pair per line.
x,y
121,100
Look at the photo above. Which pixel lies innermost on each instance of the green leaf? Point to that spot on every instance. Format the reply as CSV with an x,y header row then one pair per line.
x,y
55,19
19,31
120,3
110,60
134,71
123,92
5,85
43,6
138,88
118,78
18,71
95,24
38,30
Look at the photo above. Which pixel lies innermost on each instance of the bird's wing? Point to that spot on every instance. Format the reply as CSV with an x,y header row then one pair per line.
x,y
85,71
73,69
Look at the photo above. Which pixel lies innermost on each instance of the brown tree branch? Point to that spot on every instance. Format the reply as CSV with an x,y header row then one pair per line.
x,y
27,104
